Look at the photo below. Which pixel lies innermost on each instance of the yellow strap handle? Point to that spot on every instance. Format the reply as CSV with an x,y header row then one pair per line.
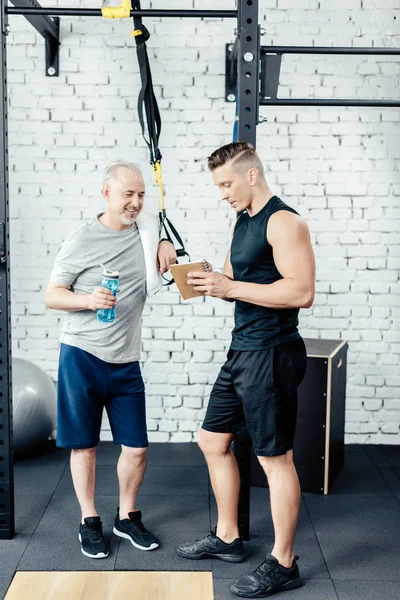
x,y
157,172
136,32
122,12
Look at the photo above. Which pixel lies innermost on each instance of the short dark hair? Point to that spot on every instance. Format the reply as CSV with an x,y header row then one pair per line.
x,y
242,154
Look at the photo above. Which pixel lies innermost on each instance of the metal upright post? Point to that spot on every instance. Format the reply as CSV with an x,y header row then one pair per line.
x,y
248,102
248,70
6,457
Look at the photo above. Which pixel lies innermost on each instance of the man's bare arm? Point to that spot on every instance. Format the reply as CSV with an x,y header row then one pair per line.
x,y
166,256
294,258
228,271
59,297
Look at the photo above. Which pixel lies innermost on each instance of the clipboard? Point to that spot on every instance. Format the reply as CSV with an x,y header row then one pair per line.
x,y
179,273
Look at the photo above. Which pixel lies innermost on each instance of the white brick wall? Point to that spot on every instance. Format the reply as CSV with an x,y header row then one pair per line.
x,y
338,167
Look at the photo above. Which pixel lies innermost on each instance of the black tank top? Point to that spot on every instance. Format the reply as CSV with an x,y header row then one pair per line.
x,y
257,327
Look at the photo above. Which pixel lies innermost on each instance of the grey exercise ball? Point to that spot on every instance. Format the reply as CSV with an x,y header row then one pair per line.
x,y
34,405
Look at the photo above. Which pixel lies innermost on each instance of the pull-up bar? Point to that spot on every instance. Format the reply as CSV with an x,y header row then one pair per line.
x,y
328,102
270,70
55,11
328,50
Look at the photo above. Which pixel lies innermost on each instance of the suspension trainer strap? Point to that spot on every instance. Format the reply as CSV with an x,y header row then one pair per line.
x,y
171,234
150,122
147,102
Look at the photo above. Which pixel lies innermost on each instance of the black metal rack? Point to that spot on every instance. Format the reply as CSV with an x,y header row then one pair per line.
x,y
6,462
270,57
46,22
257,70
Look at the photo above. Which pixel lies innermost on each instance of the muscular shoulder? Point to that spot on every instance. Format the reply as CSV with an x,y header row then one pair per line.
x,y
285,224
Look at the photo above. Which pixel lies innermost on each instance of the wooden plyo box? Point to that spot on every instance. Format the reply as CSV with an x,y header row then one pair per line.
x,y
111,585
319,443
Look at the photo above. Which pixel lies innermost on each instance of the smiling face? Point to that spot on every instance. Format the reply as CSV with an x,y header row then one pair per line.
x,y
124,193
236,187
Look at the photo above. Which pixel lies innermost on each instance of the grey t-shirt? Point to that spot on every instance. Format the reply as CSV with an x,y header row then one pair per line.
x,y
77,266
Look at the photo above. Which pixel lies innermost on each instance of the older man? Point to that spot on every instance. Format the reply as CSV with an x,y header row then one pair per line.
x,y
99,362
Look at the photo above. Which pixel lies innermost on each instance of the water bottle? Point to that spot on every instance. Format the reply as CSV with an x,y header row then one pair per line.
x,y
109,280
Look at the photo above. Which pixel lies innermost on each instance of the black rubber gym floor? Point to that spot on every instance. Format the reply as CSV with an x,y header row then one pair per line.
x,y
348,542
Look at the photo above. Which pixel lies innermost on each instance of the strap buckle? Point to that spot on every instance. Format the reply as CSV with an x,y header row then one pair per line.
x,y
141,33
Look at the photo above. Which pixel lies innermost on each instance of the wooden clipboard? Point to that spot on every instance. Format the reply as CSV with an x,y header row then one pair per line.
x,y
179,273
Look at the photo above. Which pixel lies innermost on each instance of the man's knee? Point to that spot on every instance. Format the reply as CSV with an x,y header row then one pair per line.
x,y
134,453
84,452
212,443
273,463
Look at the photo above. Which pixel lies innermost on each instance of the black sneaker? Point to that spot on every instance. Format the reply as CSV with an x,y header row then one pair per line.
x,y
269,578
133,530
213,547
91,538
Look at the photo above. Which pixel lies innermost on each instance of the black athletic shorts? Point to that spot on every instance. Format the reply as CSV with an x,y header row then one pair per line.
x,y
258,388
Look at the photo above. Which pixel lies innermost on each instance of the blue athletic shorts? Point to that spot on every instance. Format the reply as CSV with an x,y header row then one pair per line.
x,y
87,384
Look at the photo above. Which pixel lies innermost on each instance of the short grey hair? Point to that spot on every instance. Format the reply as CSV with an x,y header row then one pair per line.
x,y
111,170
